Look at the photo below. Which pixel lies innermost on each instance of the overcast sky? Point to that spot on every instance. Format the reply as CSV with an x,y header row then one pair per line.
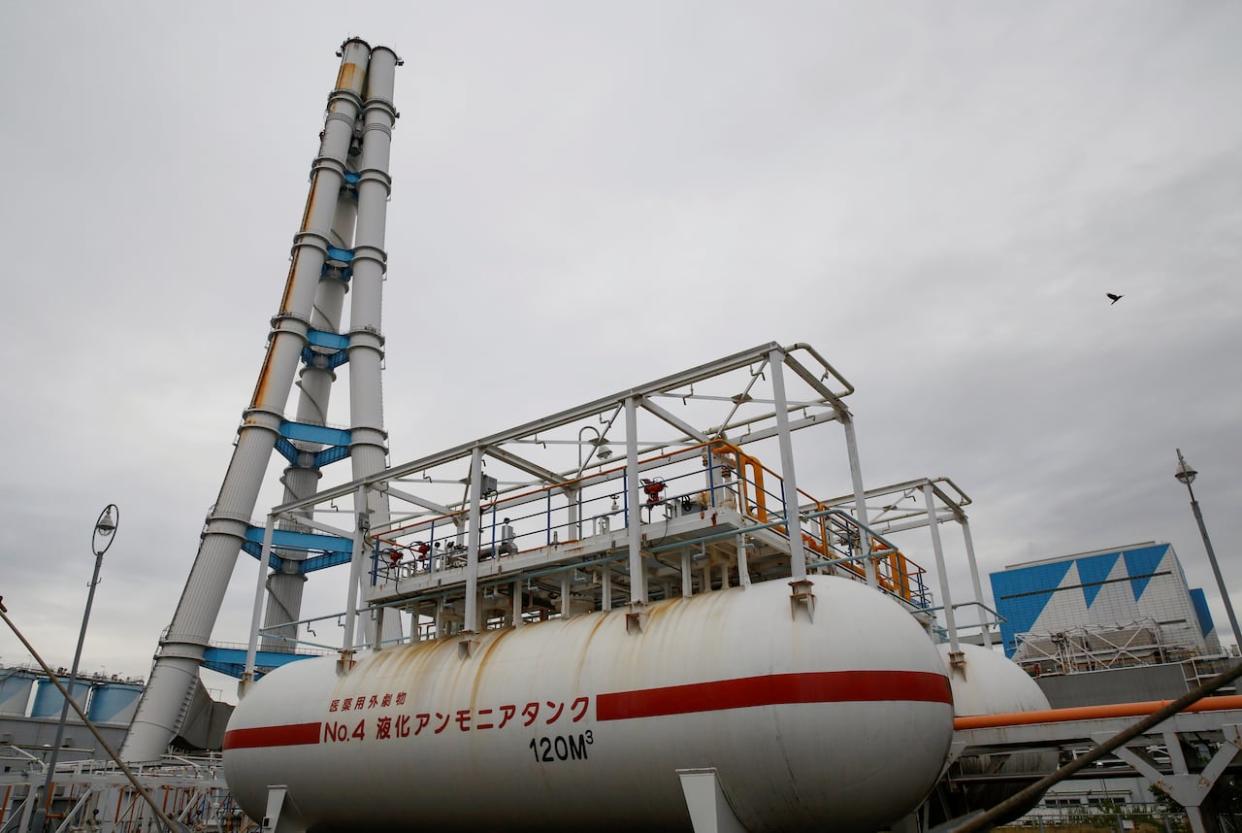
x,y
586,196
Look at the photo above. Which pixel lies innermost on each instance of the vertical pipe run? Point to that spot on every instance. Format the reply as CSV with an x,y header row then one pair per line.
x,y
946,598
974,580
472,547
633,522
789,488
687,577
517,603
605,583
860,500
368,439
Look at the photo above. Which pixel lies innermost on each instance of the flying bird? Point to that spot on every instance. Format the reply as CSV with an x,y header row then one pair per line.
x,y
1113,298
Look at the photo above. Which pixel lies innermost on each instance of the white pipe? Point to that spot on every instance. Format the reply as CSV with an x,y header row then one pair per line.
x,y
793,523
175,672
369,440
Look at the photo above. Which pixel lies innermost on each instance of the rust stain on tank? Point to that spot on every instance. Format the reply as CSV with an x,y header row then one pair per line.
x,y
481,668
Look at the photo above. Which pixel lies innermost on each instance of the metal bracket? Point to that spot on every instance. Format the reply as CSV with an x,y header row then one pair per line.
x,y
280,817
802,597
345,661
635,620
709,808
466,648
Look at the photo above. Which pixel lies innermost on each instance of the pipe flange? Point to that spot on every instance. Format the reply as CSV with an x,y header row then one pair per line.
x,y
310,239
364,435
389,50
347,96
330,164
365,251
189,646
288,322
375,175
229,527
264,419
341,49
381,104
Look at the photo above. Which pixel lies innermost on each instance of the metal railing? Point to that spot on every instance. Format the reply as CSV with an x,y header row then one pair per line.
x,y
726,478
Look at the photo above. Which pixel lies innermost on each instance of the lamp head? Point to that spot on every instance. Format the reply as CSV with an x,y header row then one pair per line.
x,y
1185,472
106,525
104,532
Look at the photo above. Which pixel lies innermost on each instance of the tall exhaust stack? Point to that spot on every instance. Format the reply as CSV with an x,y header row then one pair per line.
x,y
340,243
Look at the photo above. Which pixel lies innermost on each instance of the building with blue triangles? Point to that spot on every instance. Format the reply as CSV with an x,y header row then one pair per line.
x,y
1105,608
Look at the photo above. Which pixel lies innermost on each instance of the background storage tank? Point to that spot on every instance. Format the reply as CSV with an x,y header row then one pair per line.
x,y
840,717
114,702
989,683
48,699
15,686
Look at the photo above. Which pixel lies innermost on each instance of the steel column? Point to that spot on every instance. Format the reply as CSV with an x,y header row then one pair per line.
x,y
633,521
946,598
789,488
252,647
860,499
361,526
974,580
472,546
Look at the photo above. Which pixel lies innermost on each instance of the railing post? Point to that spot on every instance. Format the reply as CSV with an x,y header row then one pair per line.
x,y
789,483
633,520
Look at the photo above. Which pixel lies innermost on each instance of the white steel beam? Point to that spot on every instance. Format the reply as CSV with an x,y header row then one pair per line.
x,y
673,420
472,545
522,464
860,502
633,523
789,482
946,598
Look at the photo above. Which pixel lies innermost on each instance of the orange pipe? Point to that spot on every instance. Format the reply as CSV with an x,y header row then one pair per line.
x,y
992,721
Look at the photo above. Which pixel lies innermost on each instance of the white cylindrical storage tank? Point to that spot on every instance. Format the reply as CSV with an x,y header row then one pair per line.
x,y
114,703
15,686
839,718
989,683
48,699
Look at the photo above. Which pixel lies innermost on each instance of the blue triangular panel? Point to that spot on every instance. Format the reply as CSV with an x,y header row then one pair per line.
x,y
1022,594
1140,564
1201,610
1092,572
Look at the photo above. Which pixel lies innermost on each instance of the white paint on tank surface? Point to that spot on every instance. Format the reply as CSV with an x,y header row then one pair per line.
x,y
838,722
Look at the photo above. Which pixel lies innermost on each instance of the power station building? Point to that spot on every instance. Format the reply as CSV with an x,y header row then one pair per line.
x,y
1110,608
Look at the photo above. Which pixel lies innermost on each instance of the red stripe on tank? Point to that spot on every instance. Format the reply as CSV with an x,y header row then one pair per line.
x,y
776,690
290,734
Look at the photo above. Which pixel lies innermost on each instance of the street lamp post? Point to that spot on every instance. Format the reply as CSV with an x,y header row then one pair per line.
x,y
101,538
1186,474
